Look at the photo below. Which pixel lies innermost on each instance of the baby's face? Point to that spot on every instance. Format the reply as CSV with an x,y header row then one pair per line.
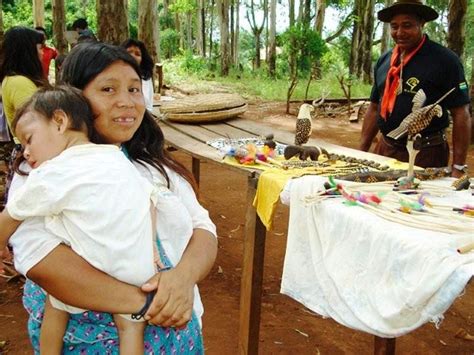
x,y
40,138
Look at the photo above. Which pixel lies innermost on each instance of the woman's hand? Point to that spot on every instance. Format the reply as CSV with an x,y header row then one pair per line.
x,y
173,302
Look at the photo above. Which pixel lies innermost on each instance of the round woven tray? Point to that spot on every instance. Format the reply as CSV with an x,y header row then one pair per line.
x,y
204,108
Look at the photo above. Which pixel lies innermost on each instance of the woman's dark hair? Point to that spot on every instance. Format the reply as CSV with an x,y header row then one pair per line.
x,y
82,65
147,64
19,55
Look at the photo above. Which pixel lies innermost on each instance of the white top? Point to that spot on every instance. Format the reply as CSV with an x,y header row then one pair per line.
x,y
178,213
85,195
147,89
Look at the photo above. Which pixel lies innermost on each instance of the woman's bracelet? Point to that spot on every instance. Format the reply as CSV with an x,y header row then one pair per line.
x,y
141,313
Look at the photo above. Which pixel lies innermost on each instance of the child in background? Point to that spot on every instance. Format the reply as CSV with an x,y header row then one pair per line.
x,y
84,191
48,53
138,51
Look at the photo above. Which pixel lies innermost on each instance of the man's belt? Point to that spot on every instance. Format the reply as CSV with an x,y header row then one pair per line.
x,y
427,140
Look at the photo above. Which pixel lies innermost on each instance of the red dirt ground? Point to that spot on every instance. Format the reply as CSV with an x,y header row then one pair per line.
x,y
286,327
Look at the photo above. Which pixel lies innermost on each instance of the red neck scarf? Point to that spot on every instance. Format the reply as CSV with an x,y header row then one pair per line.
x,y
392,81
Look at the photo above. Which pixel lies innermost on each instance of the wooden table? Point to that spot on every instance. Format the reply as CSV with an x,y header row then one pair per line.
x,y
192,138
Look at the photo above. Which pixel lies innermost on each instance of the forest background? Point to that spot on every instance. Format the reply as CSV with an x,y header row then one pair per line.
x,y
270,49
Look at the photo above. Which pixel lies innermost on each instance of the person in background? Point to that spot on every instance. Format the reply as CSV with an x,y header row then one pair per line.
x,y
108,77
138,51
21,74
48,52
82,28
417,63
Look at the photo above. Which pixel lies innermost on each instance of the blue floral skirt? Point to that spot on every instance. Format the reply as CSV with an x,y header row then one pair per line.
x,y
95,333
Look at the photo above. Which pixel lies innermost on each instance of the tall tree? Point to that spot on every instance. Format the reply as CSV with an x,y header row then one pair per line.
x,y
385,40
112,18
456,25
320,15
59,26
361,48
272,40
201,28
256,29
236,32
148,29
38,13
1,22
223,9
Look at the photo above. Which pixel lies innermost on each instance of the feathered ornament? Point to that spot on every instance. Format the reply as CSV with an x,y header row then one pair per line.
x,y
303,124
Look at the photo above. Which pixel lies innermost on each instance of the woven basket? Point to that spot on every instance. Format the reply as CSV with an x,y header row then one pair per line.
x,y
204,108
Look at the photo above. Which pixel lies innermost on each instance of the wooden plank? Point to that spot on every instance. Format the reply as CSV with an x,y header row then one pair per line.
x,y
195,131
226,130
198,149
384,346
252,276
189,145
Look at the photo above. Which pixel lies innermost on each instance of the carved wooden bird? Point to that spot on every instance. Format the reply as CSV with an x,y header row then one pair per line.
x,y
303,124
420,116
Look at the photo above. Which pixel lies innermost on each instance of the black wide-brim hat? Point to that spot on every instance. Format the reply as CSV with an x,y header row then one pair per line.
x,y
407,7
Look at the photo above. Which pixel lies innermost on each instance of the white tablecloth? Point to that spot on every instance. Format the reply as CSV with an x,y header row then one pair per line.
x,y
365,272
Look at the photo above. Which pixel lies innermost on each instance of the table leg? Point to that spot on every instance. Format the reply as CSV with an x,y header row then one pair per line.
x,y
196,169
384,346
252,275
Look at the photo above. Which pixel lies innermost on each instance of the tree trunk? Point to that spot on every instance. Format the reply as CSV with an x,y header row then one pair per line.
x,y
201,29
237,32
361,48
211,26
368,35
148,31
223,9
38,13
456,26
2,31
112,26
232,29
189,30
320,14
256,30
356,39
292,55
59,26
385,40
472,99
272,40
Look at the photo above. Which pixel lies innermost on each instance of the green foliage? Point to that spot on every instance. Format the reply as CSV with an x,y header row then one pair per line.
x,y
17,13
182,6
191,63
307,44
169,43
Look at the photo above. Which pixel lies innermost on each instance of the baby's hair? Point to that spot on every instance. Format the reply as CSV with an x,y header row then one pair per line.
x,y
61,98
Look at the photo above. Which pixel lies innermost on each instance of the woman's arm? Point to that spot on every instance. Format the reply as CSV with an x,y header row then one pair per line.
x,y
173,303
72,280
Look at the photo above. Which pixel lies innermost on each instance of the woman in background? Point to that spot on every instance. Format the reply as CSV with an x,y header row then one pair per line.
x,y
21,74
138,51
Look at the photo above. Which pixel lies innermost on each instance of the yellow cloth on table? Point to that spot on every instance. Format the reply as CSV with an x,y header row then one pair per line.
x,y
272,181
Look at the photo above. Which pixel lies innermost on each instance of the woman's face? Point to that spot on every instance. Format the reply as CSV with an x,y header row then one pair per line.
x,y
117,102
136,53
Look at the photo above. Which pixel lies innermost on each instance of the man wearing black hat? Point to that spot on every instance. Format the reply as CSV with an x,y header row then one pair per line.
x,y
417,63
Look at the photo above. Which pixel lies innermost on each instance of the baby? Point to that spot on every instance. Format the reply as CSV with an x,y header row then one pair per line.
x,y
87,194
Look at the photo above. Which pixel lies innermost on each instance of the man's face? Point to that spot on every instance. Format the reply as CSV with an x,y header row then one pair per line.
x,y
406,31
